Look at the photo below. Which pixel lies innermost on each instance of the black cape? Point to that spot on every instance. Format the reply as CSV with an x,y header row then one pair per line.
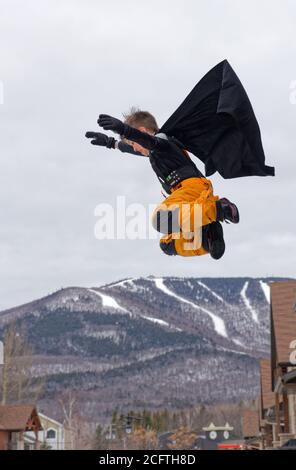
x,y
216,123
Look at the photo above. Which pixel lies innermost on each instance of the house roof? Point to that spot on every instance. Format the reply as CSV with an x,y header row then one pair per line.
x,y
267,396
19,418
283,321
44,417
250,423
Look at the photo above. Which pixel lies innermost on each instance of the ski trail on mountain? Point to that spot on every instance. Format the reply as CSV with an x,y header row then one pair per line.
x,y
108,301
121,283
266,290
247,302
161,322
211,291
219,324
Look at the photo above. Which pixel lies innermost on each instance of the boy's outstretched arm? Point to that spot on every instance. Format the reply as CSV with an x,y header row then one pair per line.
x,y
104,140
100,139
147,141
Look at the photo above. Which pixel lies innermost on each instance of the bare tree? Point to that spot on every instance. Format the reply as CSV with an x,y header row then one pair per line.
x,y
142,438
79,431
183,438
17,379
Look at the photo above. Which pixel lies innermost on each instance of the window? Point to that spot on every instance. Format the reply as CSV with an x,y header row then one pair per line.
x,y
51,434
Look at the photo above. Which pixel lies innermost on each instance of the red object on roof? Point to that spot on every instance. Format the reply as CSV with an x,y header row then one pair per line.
x,y
230,446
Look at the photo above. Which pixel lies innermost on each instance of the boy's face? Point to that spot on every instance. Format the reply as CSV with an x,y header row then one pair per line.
x,y
137,147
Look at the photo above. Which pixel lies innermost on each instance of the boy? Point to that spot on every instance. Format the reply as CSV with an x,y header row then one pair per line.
x,y
188,189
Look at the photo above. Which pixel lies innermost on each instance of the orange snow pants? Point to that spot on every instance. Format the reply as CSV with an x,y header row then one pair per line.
x,y
182,214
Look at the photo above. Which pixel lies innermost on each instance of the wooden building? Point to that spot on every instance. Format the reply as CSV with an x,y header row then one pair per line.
x,y
15,421
283,359
251,429
274,421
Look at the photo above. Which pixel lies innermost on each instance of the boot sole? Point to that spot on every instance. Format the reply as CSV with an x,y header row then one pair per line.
x,y
234,212
216,243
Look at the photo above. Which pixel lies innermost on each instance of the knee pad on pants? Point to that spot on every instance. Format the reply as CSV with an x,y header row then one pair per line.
x,y
166,221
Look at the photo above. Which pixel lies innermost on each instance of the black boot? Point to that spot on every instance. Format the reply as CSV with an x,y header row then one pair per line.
x,y
212,239
168,248
227,211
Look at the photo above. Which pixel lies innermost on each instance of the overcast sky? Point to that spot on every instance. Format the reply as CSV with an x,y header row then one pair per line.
x,y
65,62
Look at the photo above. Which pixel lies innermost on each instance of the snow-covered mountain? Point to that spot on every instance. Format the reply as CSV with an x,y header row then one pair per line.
x,y
150,341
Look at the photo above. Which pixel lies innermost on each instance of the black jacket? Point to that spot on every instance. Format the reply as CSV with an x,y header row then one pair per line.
x,y
167,156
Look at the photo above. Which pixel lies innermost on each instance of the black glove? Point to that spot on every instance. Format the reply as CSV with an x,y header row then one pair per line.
x,y
101,139
110,123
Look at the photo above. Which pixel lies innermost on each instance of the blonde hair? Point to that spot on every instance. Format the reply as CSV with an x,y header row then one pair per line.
x,y
137,118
